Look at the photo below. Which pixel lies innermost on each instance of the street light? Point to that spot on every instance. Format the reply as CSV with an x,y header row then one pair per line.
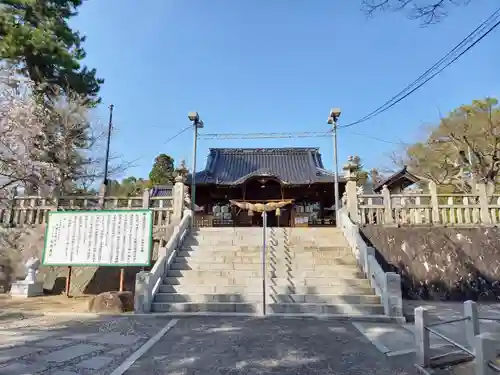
x,y
194,117
332,120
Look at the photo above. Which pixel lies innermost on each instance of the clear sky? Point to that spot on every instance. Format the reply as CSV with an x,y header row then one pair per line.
x,y
275,66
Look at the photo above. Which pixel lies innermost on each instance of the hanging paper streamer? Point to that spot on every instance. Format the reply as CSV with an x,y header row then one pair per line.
x,y
278,212
250,213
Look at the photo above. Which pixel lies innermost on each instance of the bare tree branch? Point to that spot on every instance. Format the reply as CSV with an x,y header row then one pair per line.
x,y
426,11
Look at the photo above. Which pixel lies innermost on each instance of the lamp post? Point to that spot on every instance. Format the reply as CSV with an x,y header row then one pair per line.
x,y
332,120
194,117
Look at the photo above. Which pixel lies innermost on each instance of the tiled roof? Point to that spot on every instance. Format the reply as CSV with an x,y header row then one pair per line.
x,y
231,166
161,191
402,178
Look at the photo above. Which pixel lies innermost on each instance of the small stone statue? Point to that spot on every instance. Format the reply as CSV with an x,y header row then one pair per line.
x,y
32,265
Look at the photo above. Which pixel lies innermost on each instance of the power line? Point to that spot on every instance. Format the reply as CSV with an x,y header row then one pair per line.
x,y
166,141
265,135
391,103
379,139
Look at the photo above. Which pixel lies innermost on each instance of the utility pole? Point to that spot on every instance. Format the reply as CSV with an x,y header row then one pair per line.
x,y
106,161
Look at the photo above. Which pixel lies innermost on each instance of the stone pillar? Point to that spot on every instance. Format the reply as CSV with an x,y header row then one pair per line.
x,y
422,340
351,177
102,194
482,191
472,324
179,192
486,351
142,295
393,298
386,195
436,219
145,198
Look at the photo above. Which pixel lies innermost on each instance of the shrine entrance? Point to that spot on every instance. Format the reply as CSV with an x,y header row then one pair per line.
x,y
265,189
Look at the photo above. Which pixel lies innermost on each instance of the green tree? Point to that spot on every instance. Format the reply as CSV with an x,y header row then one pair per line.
x,y
162,172
362,174
426,11
463,148
128,187
35,37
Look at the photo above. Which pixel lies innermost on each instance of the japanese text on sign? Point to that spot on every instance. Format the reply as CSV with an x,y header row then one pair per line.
x,y
104,238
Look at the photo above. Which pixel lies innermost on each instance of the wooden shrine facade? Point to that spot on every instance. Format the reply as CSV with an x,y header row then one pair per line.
x,y
261,176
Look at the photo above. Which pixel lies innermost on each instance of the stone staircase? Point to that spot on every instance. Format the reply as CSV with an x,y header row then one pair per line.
x,y
309,271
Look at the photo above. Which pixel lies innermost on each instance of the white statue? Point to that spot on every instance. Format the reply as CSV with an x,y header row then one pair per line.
x,y
32,265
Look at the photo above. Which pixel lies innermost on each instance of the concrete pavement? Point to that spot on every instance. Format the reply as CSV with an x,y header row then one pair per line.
x,y
55,345
134,345
251,346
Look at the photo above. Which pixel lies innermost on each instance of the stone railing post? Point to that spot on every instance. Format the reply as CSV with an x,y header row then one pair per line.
x,y
102,195
386,195
422,340
484,214
142,295
393,297
351,177
472,324
179,192
486,349
178,195
146,196
11,207
436,219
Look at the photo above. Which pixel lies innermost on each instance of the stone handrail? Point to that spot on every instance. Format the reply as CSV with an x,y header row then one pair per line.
x,y
432,208
148,283
387,285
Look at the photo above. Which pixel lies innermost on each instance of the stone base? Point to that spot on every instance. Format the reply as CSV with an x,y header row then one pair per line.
x,y
26,289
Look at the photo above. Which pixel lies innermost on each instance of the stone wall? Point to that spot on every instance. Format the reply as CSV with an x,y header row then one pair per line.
x,y
439,263
19,244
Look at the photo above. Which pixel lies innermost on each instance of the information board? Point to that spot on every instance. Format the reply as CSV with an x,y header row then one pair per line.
x,y
98,238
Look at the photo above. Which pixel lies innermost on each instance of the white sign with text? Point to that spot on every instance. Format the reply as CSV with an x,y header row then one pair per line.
x,y
98,238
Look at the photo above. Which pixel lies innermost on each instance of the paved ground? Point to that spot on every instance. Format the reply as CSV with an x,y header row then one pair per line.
x,y
395,339
251,346
209,346
68,346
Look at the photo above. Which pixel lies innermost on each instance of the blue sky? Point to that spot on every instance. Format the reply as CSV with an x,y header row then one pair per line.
x,y
275,66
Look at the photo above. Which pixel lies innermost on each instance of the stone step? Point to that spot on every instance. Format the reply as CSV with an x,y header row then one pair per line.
x,y
256,287
311,282
316,253
216,274
193,307
203,266
294,267
213,274
327,299
239,281
337,272
326,309
276,308
258,248
279,260
212,297
280,298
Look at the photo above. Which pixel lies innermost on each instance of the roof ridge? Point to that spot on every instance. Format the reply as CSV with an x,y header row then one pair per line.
x,y
264,150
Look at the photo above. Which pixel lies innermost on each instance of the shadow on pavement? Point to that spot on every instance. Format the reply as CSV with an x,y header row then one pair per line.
x,y
264,346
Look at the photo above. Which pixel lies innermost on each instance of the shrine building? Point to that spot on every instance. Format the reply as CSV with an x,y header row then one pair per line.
x,y
260,175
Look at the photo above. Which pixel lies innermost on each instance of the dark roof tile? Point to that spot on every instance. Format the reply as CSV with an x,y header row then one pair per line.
x,y
230,166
